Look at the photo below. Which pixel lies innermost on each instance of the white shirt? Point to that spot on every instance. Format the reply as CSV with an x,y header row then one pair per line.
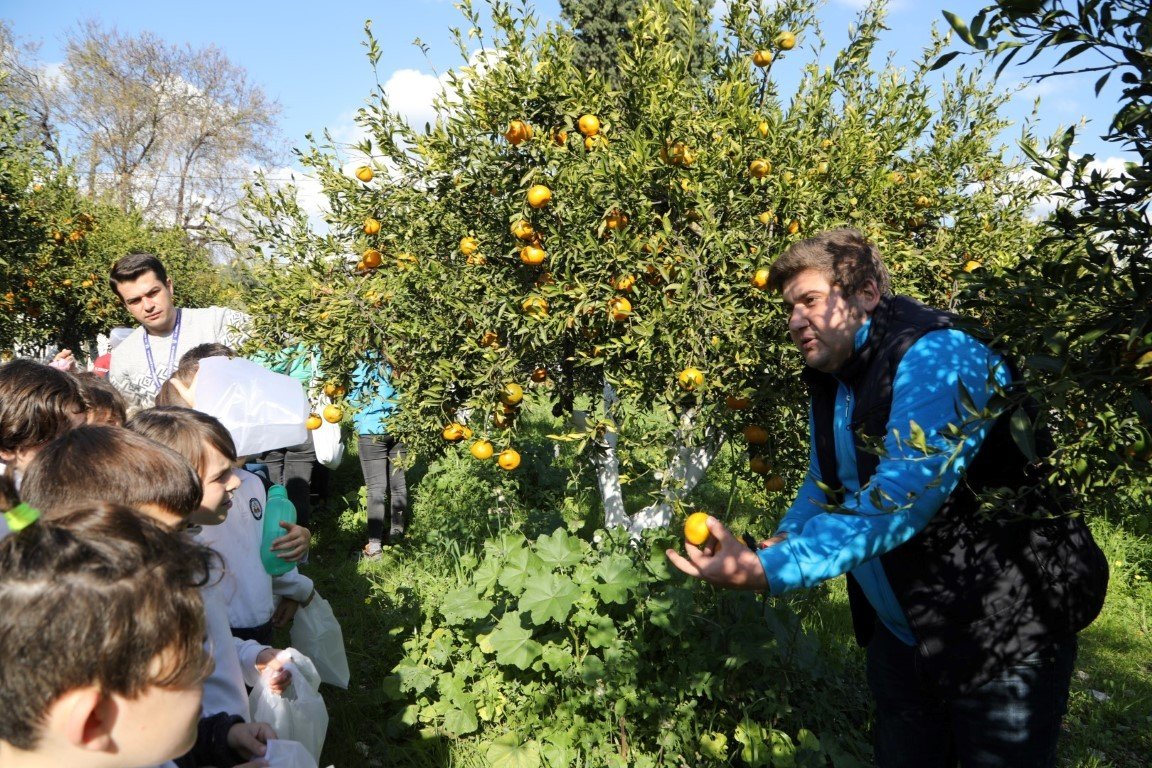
x,y
130,372
251,593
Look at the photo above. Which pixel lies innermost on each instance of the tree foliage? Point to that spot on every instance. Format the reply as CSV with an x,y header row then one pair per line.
x,y
601,29
168,130
1081,314
56,247
661,207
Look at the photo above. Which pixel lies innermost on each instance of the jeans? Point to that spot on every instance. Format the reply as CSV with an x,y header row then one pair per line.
x,y
1012,720
291,467
381,457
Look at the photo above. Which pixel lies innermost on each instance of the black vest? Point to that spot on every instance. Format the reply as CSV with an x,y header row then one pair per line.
x,y
981,588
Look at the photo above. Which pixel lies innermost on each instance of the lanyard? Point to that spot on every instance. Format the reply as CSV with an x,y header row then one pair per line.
x,y
171,353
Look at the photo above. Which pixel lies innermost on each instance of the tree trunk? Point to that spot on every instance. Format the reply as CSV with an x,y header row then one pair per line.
x,y
686,469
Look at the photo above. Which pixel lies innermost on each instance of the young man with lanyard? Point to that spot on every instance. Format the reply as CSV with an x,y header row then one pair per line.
x,y
969,614
149,355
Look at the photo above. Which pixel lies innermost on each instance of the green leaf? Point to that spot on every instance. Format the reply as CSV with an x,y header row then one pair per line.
x,y
559,549
618,576
917,438
943,60
549,598
508,752
601,632
462,605
557,657
1023,434
513,644
521,567
592,669
714,745
414,676
461,721
961,28
667,611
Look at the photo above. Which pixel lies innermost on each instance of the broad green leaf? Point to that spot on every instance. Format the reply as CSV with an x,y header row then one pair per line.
x,y
513,644
617,574
559,549
667,611
591,669
550,597
557,657
521,567
461,720
601,632
714,745
508,752
462,605
414,676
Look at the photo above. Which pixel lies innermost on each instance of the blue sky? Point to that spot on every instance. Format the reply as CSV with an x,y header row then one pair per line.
x,y
309,56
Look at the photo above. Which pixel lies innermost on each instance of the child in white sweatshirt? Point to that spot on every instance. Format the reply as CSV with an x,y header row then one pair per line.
x,y
256,601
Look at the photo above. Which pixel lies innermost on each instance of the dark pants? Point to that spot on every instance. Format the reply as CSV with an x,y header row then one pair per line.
x,y
1012,721
292,468
380,458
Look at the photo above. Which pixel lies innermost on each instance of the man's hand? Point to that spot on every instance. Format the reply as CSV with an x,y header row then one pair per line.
x,y
250,739
284,612
269,659
293,545
724,560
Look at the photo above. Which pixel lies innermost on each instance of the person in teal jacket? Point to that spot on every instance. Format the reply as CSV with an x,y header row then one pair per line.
x,y
381,455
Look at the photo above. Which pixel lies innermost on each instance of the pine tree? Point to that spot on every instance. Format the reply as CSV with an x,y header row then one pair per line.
x,y
601,26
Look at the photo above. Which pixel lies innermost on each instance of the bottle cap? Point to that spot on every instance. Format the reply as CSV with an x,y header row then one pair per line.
x,y
277,492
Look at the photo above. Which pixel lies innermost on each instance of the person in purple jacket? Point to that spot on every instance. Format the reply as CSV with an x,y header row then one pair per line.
x,y
969,614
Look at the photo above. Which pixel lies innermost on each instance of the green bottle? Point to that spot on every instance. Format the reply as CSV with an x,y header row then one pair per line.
x,y
279,509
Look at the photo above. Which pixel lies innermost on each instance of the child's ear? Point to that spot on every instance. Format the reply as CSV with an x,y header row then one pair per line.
x,y
87,717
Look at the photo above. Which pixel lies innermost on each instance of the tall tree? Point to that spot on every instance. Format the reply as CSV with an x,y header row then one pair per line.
x,y
601,28
170,131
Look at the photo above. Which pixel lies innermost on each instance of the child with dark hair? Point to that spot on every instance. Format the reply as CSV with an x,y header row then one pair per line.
x,y
105,403
102,657
37,403
100,462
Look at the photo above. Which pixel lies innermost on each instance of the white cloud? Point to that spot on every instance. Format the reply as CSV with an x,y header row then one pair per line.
x,y
411,94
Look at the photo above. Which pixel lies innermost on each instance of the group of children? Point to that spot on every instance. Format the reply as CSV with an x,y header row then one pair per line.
x,y
135,611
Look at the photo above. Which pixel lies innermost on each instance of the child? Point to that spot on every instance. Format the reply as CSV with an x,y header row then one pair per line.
x,y
102,659
37,403
96,462
105,403
253,610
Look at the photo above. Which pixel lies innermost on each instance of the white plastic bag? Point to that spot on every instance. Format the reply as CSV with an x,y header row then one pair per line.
x,y
282,753
316,632
299,714
328,440
262,410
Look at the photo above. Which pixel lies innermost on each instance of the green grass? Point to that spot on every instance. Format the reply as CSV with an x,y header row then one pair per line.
x,y
381,603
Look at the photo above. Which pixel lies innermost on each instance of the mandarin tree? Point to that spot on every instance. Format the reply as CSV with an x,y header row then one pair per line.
x,y
1079,315
616,253
56,246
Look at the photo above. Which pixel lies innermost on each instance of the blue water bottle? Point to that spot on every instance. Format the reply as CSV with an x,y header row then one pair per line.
x,y
278,510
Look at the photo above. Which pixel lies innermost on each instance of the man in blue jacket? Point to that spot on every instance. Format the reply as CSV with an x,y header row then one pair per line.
x,y
969,610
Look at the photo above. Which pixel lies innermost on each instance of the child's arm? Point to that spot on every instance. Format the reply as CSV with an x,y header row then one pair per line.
x,y
294,589
293,545
256,658
224,739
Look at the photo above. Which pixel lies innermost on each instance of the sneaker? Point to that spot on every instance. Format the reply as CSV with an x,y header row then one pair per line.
x,y
395,536
372,551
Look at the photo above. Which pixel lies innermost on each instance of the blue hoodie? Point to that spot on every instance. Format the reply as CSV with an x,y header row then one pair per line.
x,y
821,544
